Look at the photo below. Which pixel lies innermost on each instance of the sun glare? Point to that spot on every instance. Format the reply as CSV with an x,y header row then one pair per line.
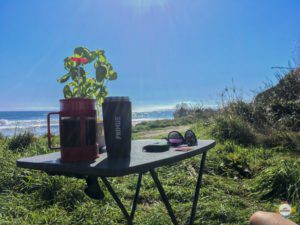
x,y
145,5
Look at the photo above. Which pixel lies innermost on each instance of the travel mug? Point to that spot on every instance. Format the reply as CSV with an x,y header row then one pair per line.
x,y
117,126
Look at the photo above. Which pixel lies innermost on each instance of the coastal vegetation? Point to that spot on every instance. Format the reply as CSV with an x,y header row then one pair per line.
x,y
255,165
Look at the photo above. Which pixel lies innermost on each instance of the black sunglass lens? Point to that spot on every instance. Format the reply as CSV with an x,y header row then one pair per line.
x,y
175,135
175,138
190,138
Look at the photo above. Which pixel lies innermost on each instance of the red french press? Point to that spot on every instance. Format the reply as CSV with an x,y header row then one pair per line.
x,y
77,130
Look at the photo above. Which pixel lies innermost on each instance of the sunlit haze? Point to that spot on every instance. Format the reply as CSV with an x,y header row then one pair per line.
x,y
165,51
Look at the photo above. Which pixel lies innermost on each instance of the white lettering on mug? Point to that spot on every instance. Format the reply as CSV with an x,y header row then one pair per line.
x,y
118,127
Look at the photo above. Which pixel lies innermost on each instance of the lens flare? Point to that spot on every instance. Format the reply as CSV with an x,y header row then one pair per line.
x,y
145,5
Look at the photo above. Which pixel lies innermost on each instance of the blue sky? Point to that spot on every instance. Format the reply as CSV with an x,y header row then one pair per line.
x,y
165,51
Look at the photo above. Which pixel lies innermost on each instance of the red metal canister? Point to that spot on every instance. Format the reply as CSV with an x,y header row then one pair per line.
x,y
77,127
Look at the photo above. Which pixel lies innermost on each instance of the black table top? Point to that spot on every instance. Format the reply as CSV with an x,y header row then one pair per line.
x,y
140,161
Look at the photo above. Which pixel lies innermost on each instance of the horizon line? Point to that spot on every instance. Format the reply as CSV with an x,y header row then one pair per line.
x,y
135,109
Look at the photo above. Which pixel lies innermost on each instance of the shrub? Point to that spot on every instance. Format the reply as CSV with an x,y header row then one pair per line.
x,y
232,128
239,108
279,181
2,136
287,140
234,161
182,110
281,103
21,141
191,110
260,120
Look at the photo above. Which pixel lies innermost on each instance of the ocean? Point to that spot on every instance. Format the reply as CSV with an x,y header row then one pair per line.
x,y
14,122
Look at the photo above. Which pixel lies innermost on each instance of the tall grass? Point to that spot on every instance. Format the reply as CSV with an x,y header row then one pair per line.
x,y
232,128
281,180
21,141
33,197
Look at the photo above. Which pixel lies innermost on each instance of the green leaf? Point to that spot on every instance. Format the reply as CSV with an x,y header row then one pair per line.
x,y
77,55
99,53
100,101
113,76
90,81
64,78
73,84
102,59
96,64
82,52
102,93
92,56
83,91
74,74
109,66
83,79
75,91
67,92
82,71
101,72
97,86
68,63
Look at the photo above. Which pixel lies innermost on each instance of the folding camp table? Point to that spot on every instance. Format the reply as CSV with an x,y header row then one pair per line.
x,y
139,162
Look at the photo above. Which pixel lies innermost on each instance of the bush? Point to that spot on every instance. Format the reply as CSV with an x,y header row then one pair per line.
x,y
287,140
232,128
277,107
239,108
21,141
281,103
191,110
231,161
2,136
279,181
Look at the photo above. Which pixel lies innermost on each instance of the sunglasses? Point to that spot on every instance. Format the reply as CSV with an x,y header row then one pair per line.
x,y
175,138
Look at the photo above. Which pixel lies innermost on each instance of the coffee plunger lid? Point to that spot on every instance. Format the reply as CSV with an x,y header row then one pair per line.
x,y
116,99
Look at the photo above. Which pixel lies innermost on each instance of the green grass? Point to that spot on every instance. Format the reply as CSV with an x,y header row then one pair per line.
x,y
158,124
227,196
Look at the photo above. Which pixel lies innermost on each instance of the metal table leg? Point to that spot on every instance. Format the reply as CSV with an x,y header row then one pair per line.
x,y
128,217
116,198
197,189
165,200
163,196
137,192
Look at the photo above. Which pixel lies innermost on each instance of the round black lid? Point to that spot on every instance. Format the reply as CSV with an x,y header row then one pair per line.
x,y
117,99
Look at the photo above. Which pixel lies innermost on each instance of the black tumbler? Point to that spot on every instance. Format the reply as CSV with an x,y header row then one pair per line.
x,y
117,126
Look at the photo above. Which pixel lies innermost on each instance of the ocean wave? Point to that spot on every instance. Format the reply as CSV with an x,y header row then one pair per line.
x,y
23,124
12,123
4,122
31,124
